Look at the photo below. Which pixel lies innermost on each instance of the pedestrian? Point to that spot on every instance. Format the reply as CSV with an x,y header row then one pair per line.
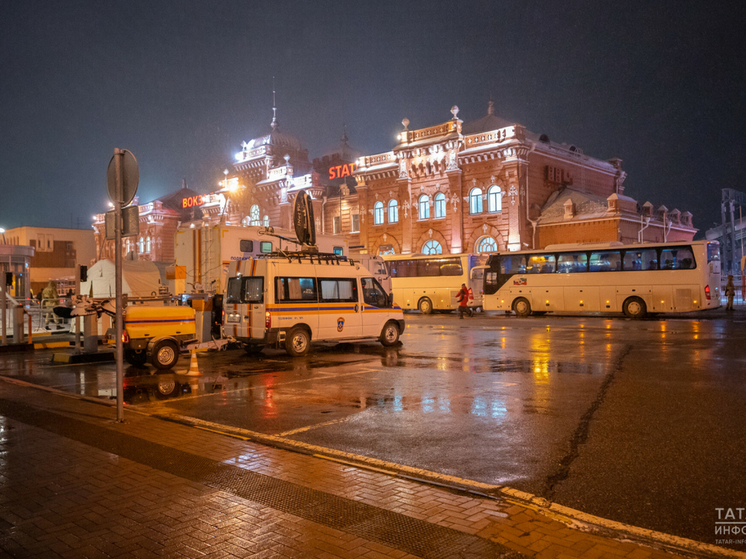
x,y
51,299
730,292
463,302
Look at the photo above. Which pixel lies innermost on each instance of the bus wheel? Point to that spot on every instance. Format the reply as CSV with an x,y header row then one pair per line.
x,y
165,355
390,334
298,342
634,307
136,357
521,307
425,306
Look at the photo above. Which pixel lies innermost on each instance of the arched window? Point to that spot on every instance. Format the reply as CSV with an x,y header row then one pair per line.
x,y
432,247
245,221
147,244
378,213
254,215
393,211
142,245
440,205
266,221
486,244
424,206
494,199
475,201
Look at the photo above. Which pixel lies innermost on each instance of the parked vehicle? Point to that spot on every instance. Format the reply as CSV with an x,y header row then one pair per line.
x,y
292,300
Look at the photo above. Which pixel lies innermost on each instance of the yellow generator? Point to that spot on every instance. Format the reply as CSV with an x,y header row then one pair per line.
x,y
157,334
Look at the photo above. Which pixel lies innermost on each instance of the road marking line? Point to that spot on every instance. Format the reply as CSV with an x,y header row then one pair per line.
x,y
309,427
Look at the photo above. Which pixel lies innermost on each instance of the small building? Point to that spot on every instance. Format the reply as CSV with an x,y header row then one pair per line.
x,y
57,254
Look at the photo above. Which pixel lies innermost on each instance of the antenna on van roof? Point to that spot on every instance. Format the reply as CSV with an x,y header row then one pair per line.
x,y
303,222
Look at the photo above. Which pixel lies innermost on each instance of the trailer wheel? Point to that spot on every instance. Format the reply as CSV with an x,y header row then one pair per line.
x,y
425,305
165,355
136,357
522,307
634,307
298,342
389,334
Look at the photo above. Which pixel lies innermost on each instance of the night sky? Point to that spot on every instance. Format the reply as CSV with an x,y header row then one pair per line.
x,y
181,84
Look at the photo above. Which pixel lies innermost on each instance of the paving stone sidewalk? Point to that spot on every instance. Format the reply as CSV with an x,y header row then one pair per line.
x,y
75,483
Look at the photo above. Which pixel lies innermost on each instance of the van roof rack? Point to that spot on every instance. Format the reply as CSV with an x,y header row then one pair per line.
x,y
319,257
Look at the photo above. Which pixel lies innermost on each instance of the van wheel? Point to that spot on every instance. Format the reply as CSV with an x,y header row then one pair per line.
x,y
298,342
425,306
389,334
136,357
522,307
165,355
634,307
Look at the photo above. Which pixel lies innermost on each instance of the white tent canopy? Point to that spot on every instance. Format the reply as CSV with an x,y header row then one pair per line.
x,y
139,279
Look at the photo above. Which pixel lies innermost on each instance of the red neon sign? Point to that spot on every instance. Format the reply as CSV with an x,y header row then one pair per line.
x,y
340,171
191,201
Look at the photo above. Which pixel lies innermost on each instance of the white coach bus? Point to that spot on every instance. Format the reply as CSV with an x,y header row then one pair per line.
x,y
432,282
636,279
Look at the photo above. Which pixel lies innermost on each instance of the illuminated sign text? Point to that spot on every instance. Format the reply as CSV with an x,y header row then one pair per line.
x,y
340,171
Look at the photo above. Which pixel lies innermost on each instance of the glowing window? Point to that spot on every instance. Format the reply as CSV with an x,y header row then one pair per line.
x,y
486,244
440,205
393,211
475,201
432,247
254,215
424,207
378,213
494,199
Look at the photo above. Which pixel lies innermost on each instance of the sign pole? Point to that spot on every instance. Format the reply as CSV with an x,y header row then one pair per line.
x,y
119,173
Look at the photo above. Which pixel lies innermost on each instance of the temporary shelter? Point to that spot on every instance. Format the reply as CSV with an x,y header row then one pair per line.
x,y
139,279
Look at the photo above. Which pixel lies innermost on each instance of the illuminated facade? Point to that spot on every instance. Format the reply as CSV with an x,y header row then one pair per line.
x,y
479,186
492,185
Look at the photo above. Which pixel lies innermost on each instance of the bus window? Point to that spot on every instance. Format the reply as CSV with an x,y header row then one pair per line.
x,y
605,261
512,264
646,259
541,264
572,262
713,252
679,258
451,267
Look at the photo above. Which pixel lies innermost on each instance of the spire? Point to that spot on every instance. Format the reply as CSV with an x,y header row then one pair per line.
x,y
490,108
344,133
274,106
183,183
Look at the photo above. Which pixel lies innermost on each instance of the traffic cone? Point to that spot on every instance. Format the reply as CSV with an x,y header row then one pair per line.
x,y
193,368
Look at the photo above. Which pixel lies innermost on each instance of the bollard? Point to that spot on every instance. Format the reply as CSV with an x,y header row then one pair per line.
x,y
18,325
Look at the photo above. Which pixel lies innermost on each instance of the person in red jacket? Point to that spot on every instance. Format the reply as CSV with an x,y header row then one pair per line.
x,y
463,299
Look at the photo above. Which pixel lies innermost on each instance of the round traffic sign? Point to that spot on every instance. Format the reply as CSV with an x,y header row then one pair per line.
x,y
130,177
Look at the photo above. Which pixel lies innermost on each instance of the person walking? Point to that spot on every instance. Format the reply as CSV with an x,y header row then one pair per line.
x,y
463,302
730,292
50,300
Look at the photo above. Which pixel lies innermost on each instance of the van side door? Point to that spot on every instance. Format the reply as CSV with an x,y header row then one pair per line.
x,y
376,307
340,315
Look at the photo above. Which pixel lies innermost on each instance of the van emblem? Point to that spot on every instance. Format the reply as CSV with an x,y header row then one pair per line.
x,y
340,324
520,281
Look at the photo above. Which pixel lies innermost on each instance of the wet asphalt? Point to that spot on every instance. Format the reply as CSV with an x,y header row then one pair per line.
x,y
640,422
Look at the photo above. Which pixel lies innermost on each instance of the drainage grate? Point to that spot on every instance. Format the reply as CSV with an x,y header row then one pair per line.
x,y
399,531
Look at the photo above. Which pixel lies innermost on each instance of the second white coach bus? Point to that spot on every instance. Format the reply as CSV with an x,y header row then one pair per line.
x,y
431,282
638,279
